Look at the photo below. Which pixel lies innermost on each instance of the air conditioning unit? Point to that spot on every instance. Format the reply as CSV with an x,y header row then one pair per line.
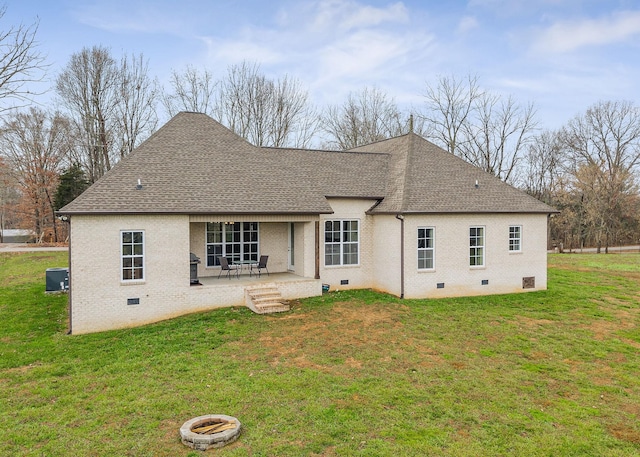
x,y
57,280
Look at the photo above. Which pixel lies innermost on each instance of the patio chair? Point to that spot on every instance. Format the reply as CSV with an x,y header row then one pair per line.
x,y
262,264
224,266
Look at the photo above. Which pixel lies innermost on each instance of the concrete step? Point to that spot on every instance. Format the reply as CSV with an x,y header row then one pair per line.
x,y
265,299
273,307
265,294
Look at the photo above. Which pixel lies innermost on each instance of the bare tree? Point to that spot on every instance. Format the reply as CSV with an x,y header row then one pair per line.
x,y
191,90
111,104
364,118
20,62
293,121
34,144
497,134
88,88
8,196
604,147
542,167
485,129
265,112
136,116
449,109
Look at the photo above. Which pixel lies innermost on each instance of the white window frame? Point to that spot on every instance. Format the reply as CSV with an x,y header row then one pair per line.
x,y
232,240
477,242
339,241
513,239
132,260
424,247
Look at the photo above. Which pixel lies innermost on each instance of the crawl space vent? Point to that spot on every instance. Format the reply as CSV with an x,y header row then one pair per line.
x,y
529,282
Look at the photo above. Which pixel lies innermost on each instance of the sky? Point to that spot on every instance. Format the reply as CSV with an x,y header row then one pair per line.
x,y
561,55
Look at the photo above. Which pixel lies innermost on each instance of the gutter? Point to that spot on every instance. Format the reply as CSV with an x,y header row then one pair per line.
x,y
400,217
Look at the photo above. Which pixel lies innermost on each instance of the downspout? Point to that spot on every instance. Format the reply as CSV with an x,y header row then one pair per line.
x,y
67,219
400,217
317,259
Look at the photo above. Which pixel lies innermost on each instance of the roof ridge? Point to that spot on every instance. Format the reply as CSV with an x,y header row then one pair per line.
x,y
321,151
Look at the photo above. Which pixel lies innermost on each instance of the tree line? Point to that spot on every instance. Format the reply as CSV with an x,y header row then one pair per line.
x,y
105,106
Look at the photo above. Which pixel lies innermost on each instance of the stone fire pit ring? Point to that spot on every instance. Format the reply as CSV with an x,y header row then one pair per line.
x,y
215,440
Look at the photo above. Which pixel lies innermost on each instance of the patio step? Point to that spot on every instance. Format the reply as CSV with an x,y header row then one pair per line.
x,y
264,299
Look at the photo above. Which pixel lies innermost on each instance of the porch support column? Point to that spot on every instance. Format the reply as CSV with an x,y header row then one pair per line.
x,y
317,276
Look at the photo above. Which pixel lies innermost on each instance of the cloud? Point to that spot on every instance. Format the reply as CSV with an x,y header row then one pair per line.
x,y
334,44
563,37
121,17
361,53
466,24
341,15
236,51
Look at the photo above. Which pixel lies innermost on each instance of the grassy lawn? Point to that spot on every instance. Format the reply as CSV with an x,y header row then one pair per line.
x,y
553,373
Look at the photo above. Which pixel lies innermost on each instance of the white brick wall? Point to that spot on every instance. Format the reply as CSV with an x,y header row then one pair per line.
x,y
503,269
380,266
359,276
386,249
99,297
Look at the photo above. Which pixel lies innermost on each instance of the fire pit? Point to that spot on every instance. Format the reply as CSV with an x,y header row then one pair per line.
x,y
212,430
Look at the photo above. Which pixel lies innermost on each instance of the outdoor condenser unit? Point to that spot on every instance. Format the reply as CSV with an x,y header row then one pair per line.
x,y
57,279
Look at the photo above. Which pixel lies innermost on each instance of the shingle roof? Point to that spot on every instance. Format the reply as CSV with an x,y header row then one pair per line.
x,y
195,165
427,179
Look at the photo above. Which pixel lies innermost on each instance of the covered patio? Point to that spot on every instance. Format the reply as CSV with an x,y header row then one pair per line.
x,y
290,242
262,294
245,279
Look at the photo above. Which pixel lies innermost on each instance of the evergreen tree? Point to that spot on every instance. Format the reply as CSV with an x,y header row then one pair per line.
x,y
73,182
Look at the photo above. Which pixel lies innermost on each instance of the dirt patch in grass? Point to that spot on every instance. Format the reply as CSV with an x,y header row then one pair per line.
x,y
604,329
625,432
350,332
533,323
24,368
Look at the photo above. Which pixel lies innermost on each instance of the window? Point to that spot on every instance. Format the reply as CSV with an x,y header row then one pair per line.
x,y
476,246
425,248
515,238
132,256
234,240
341,242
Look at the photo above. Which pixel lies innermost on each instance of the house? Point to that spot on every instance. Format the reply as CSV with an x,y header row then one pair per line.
x,y
400,216
17,236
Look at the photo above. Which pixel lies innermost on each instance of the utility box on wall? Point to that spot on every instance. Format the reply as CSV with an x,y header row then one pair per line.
x,y
57,280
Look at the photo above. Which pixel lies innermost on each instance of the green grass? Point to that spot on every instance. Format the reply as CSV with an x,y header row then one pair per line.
x,y
351,373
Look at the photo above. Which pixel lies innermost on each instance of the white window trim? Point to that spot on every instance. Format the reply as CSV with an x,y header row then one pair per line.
x,y
483,246
432,249
224,243
519,239
143,255
342,243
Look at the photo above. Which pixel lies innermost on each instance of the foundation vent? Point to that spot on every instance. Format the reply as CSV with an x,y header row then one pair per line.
x,y
529,282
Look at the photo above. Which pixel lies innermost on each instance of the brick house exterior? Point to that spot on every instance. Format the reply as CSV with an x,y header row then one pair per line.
x,y
400,216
